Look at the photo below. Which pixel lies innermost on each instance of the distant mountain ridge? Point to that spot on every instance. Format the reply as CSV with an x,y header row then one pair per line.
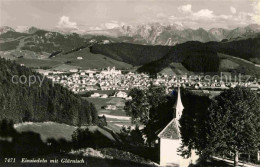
x,y
159,34
44,49
59,49
5,29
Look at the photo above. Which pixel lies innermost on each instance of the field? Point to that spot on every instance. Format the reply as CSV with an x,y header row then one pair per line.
x,y
55,130
68,61
90,60
60,62
98,102
226,64
48,130
38,63
9,45
233,64
64,67
115,118
175,69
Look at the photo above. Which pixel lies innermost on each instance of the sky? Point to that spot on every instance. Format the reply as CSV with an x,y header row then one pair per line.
x,y
107,14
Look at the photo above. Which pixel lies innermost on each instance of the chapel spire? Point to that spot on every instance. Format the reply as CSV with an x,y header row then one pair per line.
x,y
178,106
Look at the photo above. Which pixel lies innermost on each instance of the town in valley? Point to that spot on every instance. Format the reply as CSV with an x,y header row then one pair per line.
x,y
130,83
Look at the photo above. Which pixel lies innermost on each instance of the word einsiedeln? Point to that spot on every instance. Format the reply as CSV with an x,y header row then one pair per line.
x,y
28,80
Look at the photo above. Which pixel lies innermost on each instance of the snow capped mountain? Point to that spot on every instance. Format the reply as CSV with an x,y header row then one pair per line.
x,y
21,29
158,34
155,33
244,31
219,33
31,30
5,29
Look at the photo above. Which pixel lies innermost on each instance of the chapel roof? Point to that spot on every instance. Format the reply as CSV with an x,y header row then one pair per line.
x,y
171,131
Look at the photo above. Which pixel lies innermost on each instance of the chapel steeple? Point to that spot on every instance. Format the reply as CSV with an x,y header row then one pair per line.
x,y
178,106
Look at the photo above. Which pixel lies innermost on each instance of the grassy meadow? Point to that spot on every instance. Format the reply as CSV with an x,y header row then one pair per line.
x,y
115,118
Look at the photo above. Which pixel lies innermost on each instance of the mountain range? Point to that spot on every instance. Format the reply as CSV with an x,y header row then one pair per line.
x,y
158,34
143,46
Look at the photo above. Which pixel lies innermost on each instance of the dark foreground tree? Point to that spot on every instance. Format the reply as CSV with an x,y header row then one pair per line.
x,y
132,137
193,121
233,124
151,108
40,101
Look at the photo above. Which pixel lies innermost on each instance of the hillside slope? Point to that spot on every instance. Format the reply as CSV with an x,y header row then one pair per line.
x,y
203,57
65,48
245,48
41,101
89,60
192,55
44,49
131,53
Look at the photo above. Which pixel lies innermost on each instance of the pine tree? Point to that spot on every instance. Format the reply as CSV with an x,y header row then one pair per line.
x,y
19,102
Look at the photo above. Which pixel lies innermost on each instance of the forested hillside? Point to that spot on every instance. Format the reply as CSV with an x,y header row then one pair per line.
x,y
194,56
40,102
247,48
50,42
42,41
203,57
131,53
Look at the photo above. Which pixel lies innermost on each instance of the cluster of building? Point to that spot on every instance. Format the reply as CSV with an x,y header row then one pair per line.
x,y
200,82
111,79
108,79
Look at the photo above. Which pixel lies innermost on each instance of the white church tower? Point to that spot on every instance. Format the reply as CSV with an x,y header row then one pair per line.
x,y
170,139
178,107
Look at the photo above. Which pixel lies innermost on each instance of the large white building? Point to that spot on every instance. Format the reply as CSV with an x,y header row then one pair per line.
x,y
111,71
170,140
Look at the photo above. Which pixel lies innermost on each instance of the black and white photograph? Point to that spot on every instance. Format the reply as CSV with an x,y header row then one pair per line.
x,y
129,83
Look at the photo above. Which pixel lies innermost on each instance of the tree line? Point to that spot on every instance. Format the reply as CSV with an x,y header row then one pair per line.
x,y
40,101
131,53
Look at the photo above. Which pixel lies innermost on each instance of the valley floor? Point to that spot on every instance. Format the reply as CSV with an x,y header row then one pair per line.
x,y
116,119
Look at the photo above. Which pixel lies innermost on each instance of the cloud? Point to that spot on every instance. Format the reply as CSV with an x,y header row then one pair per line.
x,y
256,14
207,19
233,10
111,25
95,28
188,17
65,22
204,13
185,8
